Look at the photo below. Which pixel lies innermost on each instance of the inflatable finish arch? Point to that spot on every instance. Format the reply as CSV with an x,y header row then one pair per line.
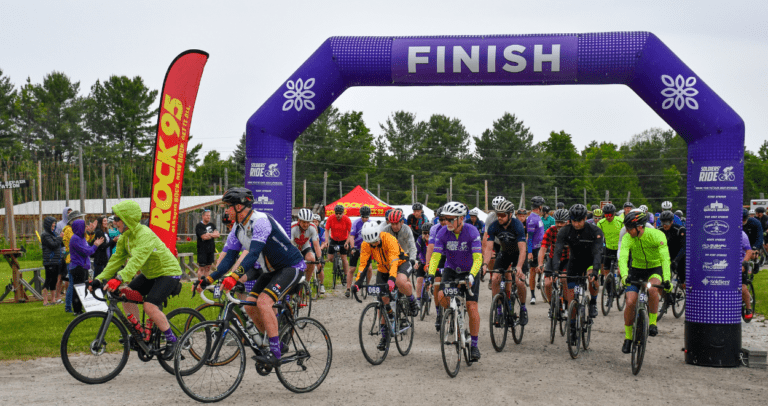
x,y
713,131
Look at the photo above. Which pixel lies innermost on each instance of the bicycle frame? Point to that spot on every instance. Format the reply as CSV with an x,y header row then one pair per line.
x,y
455,290
113,309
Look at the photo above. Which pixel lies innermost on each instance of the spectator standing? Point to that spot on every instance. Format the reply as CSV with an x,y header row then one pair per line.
x,y
101,256
52,245
206,244
114,234
66,235
80,263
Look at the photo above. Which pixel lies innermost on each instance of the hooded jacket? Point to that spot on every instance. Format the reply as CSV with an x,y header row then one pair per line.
x,y
141,247
51,243
63,223
79,250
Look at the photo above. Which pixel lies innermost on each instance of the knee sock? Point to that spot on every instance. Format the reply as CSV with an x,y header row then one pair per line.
x,y
169,336
593,300
474,341
533,293
411,298
274,346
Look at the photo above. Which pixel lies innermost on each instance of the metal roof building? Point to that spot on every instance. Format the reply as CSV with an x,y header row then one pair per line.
x,y
96,206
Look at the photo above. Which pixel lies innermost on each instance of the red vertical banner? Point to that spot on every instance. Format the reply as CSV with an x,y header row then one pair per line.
x,y
177,102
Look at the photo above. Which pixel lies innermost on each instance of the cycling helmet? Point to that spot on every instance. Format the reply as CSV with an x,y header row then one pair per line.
x,y
426,227
744,214
522,211
666,205
560,205
497,200
454,209
238,195
561,215
609,209
594,207
339,209
439,212
474,212
760,209
305,215
629,204
395,217
666,216
598,213
505,207
635,218
679,213
751,211
316,217
578,212
537,201
545,209
365,211
371,232
590,216
644,208
417,206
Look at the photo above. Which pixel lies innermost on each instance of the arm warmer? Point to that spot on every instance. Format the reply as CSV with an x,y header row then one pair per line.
x,y
434,262
229,259
477,262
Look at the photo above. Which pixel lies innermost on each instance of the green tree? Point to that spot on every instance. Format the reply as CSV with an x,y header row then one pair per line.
x,y
565,166
620,178
8,97
61,116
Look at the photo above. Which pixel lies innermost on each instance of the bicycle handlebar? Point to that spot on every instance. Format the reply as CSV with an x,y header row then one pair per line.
x,y
202,294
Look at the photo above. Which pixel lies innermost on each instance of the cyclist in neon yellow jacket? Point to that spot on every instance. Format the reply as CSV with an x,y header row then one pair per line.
x,y
650,262
611,226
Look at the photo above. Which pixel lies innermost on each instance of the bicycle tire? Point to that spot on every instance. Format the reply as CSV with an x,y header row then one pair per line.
x,y
306,339
72,345
542,288
315,286
554,315
208,308
751,288
426,302
621,299
303,300
751,291
639,340
585,324
404,336
606,296
203,339
678,306
498,322
369,332
468,340
450,343
562,319
573,323
180,320
514,323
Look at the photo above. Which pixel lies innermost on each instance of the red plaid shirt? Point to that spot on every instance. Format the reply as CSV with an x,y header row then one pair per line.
x,y
550,238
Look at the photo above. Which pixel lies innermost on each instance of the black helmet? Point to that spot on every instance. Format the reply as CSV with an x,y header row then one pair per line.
x,y
439,212
537,201
561,215
679,213
238,195
635,218
609,209
426,227
560,205
339,209
594,206
744,214
417,206
578,212
590,215
365,211
760,209
629,204
522,211
666,216
545,209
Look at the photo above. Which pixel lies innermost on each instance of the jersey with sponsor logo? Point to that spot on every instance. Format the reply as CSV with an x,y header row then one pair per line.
x,y
266,240
535,229
458,249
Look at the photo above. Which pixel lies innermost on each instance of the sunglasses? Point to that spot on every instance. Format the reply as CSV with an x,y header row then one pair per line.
x,y
666,223
450,219
608,215
502,215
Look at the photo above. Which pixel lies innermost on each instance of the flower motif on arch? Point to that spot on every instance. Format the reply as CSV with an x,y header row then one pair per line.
x,y
679,92
298,95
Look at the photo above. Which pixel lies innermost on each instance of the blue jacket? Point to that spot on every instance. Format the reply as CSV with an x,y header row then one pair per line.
x,y
79,250
51,243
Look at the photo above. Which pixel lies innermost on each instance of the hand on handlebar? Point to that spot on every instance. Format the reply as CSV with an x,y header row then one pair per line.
x,y
228,283
112,285
519,272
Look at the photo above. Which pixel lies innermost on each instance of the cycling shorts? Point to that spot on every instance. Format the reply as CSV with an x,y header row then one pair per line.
x,y
354,258
449,275
421,270
404,269
638,274
306,250
340,244
535,262
276,284
253,274
155,291
206,258
609,257
506,259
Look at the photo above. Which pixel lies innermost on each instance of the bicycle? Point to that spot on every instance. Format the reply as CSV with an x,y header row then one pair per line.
x,y
612,289
314,284
338,267
426,298
540,283
398,323
505,313
96,345
454,331
675,299
578,318
304,365
751,290
640,325
556,308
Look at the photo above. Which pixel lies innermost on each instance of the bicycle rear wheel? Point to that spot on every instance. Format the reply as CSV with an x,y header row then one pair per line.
x,y
404,326
306,362
640,338
426,303
89,361
573,338
678,306
562,317
218,368
450,343
498,322
554,315
618,293
369,333
180,320
513,319
302,300
542,288
606,296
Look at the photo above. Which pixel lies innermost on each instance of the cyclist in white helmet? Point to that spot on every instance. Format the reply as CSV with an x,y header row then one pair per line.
x,y
304,236
488,221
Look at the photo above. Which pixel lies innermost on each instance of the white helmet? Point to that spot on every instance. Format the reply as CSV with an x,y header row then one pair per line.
x,y
644,208
666,205
454,209
305,215
474,212
371,232
316,217
497,200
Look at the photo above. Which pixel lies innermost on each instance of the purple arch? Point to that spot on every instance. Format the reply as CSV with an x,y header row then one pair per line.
x,y
713,131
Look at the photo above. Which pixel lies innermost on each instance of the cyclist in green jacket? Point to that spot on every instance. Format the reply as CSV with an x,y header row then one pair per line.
x,y
146,252
650,262
611,226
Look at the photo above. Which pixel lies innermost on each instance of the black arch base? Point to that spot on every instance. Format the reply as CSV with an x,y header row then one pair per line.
x,y
712,345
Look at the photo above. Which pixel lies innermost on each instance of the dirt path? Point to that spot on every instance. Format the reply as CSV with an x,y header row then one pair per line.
x,y
534,372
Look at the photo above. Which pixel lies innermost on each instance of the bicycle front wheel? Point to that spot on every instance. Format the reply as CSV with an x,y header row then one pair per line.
x,y
678,306
572,336
513,319
85,357
404,325
498,322
640,338
307,358
606,296
585,323
315,286
217,366
618,293
180,320
426,303
542,288
370,333
450,343
303,300
554,315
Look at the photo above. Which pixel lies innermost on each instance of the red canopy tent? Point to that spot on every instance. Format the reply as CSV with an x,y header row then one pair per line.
x,y
356,199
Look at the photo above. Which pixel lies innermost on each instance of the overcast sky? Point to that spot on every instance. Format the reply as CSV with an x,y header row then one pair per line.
x,y
254,46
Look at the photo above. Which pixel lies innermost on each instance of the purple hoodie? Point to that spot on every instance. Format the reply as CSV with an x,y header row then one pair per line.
x,y
79,250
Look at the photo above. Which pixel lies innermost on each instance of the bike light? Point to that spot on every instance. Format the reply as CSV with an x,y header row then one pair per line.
x,y
648,285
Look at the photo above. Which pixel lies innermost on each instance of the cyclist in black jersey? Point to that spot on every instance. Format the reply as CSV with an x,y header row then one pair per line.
x,y
676,243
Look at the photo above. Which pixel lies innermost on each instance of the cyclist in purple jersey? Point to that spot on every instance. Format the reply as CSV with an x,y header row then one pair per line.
x,y
461,247
535,228
439,273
